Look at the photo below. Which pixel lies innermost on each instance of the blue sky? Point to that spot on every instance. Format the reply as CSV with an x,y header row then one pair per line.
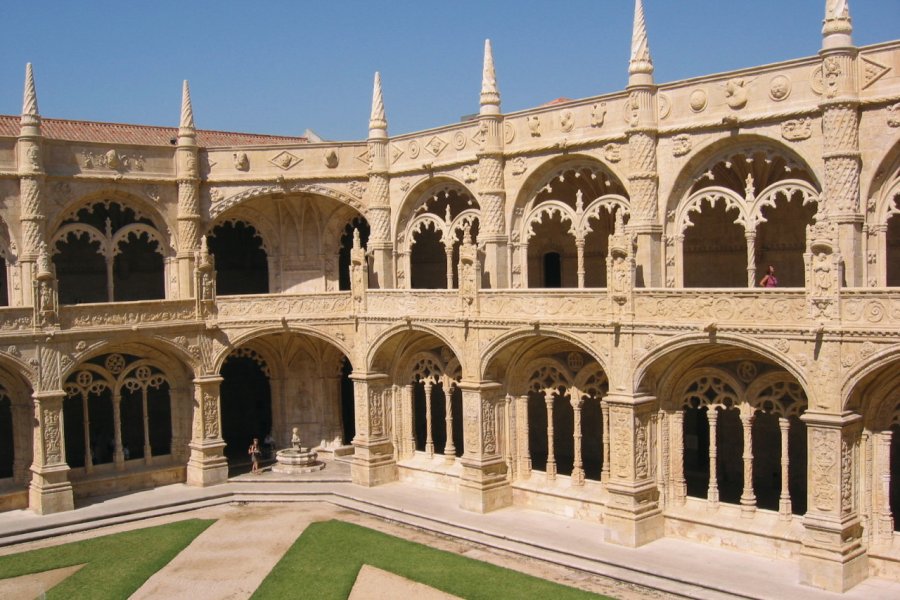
x,y
298,64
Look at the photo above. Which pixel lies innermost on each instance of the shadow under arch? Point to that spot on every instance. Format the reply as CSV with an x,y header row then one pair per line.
x,y
378,354
504,341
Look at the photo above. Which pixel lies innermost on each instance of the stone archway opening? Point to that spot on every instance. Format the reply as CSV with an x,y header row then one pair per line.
x,y
428,260
715,250
108,252
7,445
781,239
242,266
246,399
735,417
361,225
562,425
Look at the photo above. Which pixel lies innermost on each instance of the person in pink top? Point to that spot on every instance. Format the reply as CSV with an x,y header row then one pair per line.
x,y
769,280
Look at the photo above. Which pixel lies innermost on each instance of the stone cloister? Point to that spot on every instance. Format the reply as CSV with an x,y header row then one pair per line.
x,y
556,308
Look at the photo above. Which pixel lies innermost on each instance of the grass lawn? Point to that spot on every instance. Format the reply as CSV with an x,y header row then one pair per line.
x,y
324,561
115,565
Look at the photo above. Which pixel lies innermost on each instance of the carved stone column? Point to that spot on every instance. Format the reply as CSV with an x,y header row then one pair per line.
x,y
491,185
429,437
832,556
378,200
678,481
633,515
207,464
373,459
784,500
577,402
449,447
118,452
188,178
32,216
748,497
884,518
409,399
483,486
604,414
712,492
551,454
523,451
50,490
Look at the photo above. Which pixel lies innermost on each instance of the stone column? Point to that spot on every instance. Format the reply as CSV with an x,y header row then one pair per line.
x,y
449,447
409,401
491,185
551,455
118,453
579,250
678,480
750,236
748,497
784,500
188,179
373,459
604,414
832,556
523,451
207,464
633,515
377,196
712,492
483,486
884,518
429,439
32,215
50,490
577,402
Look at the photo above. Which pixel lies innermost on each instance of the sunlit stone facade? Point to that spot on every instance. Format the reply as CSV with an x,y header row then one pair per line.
x,y
558,308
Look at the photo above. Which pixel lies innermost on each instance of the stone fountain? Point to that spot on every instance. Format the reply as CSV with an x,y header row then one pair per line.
x,y
296,459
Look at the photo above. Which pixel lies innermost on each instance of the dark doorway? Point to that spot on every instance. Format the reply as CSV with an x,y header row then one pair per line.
x,y
348,409
6,437
552,270
246,406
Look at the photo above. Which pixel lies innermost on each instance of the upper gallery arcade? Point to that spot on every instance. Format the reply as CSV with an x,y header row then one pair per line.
x,y
558,307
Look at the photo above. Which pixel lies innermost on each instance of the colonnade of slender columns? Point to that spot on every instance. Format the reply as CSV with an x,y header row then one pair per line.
x,y
712,493
784,499
551,456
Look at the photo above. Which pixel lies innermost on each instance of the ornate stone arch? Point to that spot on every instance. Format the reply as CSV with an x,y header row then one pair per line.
x,y
777,393
416,200
166,233
505,340
388,334
873,367
709,387
249,337
723,340
225,202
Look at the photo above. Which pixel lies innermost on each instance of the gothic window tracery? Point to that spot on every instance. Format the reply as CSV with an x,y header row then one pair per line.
x,y
571,216
117,409
242,265
437,405
107,252
745,211
431,234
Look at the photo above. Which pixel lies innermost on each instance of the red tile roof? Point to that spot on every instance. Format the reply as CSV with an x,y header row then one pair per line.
x,y
145,135
561,100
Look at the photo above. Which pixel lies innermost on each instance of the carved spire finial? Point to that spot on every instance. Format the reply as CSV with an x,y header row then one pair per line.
x,y
357,243
490,95
377,122
30,114
186,125
640,67
838,27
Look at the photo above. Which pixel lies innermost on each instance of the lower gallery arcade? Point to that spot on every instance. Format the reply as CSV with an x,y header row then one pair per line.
x,y
714,429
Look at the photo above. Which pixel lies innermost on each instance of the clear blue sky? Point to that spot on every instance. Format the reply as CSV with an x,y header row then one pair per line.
x,y
299,64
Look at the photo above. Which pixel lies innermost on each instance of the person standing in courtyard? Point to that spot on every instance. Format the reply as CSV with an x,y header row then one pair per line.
x,y
769,280
254,452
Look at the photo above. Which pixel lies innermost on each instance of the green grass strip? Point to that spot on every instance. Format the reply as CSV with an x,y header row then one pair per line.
x,y
324,561
115,565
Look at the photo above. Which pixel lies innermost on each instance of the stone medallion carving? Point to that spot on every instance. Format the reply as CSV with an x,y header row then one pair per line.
x,y
664,106
240,161
413,148
612,153
698,100
534,125
566,120
779,88
681,145
284,160
459,140
331,159
509,132
396,153
435,145
797,129
737,92
598,114
519,166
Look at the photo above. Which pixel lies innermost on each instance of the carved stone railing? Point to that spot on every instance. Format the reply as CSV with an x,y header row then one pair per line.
x,y
580,305
865,307
16,320
275,306
412,303
118,314
738,306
